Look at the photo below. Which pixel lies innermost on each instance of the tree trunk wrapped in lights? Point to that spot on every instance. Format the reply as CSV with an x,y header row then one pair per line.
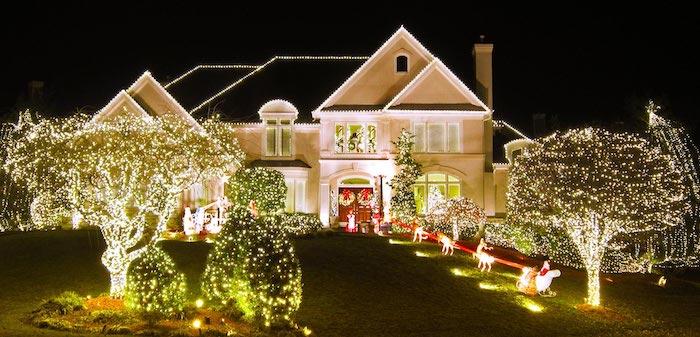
x,y
122,175
595,185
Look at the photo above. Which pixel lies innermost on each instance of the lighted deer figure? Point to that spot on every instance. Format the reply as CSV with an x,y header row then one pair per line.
x,y
485,260
448,245
418,233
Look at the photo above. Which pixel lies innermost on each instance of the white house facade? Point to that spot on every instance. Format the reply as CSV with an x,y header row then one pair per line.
x,y
328,123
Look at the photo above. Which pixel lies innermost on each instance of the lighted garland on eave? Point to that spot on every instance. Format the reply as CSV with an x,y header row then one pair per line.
x,y
264,185
461,216
123,174
155,289
403,203
594,185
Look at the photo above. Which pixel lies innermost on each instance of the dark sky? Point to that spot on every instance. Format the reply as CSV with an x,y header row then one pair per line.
x,y
583,64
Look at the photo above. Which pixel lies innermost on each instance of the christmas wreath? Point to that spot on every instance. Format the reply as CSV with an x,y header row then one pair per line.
x,y
365,197
346,198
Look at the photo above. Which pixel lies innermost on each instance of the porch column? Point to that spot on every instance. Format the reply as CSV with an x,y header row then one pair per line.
x,y
324,209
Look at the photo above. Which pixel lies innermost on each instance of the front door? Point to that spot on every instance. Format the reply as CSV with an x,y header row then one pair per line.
x,y
350,198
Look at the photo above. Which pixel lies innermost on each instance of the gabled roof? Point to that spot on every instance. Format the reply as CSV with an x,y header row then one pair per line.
x,y
436,88
237,92
121,104
428,85
145,97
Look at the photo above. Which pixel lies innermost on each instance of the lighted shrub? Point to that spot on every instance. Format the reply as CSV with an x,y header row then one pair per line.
x,y
154,288
301,223
218,272
254,268
264,185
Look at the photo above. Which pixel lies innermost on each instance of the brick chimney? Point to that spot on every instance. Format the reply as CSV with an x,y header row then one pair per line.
x,y
483,70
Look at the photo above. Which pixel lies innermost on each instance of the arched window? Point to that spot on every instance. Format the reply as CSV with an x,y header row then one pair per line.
x,y
402,64
434,187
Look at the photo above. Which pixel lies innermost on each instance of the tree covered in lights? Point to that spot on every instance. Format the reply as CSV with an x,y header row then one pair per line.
x,y
15,199
155,289
253,267
264,185
123,174
403,203
594,185
679,241
461,216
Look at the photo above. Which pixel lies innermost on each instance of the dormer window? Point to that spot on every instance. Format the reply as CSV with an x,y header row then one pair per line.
x,y
278,119
402,64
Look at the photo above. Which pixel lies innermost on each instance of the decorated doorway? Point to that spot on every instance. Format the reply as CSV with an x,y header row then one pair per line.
x,y
355,195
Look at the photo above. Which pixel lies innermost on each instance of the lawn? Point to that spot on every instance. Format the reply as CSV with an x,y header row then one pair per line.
x,y
363,285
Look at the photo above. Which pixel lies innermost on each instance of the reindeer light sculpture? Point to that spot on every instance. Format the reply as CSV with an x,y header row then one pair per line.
x,y
485,260
448,245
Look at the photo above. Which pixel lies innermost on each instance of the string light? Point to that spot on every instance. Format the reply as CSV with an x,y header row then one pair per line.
x,y
594,185
264,185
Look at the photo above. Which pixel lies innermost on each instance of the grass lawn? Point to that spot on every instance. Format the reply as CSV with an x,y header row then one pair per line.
x,y
362,285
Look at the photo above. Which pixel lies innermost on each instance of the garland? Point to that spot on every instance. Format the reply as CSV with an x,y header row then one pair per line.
x,y
346,198
365,197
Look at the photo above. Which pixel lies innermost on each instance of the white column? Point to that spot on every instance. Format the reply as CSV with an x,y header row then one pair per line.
x,y
324,209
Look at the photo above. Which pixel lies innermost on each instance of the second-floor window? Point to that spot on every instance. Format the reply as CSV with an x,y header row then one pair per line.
x,y
401,64
278,134
436,137
355,138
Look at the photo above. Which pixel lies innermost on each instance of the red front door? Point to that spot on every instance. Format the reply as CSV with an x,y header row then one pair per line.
x,y
363,213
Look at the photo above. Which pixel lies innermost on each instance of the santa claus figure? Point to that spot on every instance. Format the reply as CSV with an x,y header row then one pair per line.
x,y
351,227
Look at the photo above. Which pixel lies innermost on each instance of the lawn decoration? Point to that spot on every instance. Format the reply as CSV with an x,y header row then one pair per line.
x,y
532,282
351,227
418,233
485,260
526,283
448,245
544,279
188,221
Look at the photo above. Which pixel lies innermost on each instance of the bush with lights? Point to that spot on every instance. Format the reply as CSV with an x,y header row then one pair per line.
x,y
155,289
14,197
264,185
594,185
461,216
300,223
253,267
403,203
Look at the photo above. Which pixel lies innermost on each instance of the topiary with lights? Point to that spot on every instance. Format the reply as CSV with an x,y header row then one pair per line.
x,y
264,185
403,203
155,289
123,174
594,185
461,216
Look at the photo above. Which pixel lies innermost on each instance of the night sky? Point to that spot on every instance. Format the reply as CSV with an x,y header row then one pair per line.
x,y
577,65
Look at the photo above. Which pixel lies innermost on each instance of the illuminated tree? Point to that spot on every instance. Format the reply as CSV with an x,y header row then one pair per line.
x,y
264,185
154,287
14,197
123,175
594,185
677,142
403,203
459,215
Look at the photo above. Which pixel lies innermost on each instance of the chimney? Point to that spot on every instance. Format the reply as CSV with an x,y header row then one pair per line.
x,y
483,69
